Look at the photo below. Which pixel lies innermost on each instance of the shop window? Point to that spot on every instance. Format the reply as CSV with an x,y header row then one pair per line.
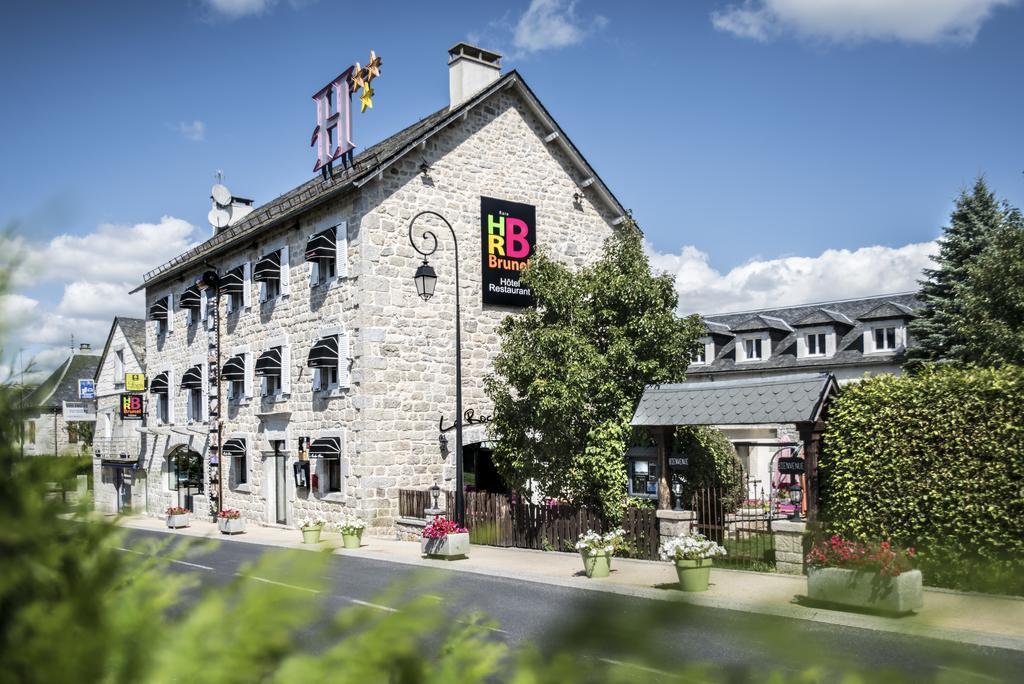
x,y
332,466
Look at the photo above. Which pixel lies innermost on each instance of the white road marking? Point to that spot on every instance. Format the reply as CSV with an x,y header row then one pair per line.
x,y
169,560
370,605
280,584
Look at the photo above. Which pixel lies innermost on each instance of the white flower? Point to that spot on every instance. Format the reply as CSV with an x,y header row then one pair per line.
x,y
350,524
311,522
690,547
597,543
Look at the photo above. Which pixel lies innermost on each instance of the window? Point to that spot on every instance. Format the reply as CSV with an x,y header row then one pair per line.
x,y
72,433
325,358
270,274
191,300
160,312
269,367
272,385
325,252
31,432
700,356
332,466
232,286
643,477
162,413
328,450
235,449
236,389
325,269
885,338
234,373
752,348
195,405
159,387
119,368
816,344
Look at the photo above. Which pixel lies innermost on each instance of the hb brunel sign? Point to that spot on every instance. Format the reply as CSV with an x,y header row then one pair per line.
x,y
508,237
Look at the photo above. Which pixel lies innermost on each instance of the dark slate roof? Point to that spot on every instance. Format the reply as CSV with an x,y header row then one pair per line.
x,y
716,328
849,344
746,401
761,322
824,317
365,166
887,309
62,384
134,330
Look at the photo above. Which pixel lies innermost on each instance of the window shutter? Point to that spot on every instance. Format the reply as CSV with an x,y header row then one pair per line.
x,y
171,392
285,270
246,285
247,381
343,373
188,318
317,380
204,298
286,369
341,250
314,273
205,409
261,289
170,312
188,406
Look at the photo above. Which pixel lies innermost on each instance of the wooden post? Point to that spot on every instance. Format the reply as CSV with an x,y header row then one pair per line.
x,y
663,441
810,435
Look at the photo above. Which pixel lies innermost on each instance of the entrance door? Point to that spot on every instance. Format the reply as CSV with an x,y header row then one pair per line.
x,y
189,470
123,484
280,486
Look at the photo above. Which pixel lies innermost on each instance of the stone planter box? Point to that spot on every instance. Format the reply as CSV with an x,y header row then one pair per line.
x,y
177,521
231,525
859,589
448,547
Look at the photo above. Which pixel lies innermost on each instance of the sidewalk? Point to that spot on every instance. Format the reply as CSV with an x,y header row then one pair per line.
x,y
979,619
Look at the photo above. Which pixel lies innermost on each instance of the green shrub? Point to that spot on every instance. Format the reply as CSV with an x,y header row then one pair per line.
x,y
712,462
934,461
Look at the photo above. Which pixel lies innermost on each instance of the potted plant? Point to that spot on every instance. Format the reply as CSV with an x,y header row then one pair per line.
x,y
351,529
177,517
596,549
874,575
693,555
444,538
230,521
311,528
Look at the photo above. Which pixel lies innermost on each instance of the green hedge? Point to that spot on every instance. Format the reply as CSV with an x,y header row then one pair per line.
x,y
934,461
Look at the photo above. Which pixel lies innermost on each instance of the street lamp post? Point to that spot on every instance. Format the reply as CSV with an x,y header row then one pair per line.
x,y
426,281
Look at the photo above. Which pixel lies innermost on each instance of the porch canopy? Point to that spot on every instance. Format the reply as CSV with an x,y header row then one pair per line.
x,y
800,399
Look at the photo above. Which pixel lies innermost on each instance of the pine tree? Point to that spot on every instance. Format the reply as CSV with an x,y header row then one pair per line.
x,y
935,331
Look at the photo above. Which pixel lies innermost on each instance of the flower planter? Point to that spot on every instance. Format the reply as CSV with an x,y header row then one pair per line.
x,y
177,521
861,589
694,574
449,547
231,525
351,541
311,535
597,564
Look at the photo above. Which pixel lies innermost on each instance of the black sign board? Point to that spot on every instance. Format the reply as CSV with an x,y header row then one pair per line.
x,y
678,461
508,238
791,465
131,407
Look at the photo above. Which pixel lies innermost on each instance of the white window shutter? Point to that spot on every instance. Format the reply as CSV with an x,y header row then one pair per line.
x,y
188,318
343,374
314,273
247,378
341,249
261,288
246,284
170,395
204,298
170,312
317,380
285,271
286,369
205,392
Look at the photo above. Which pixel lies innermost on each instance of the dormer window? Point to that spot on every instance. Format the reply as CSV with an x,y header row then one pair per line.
x,y
753,349
816,344
705,352
885,338
700,357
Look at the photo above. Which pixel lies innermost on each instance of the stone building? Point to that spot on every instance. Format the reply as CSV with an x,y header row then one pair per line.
x,y
58,422
327,355
119,484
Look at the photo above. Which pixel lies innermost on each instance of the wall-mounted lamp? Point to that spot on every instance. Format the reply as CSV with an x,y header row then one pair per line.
x,y
577,197
443,440
424,167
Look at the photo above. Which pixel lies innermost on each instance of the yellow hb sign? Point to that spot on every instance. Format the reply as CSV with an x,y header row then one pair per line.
x,y
135,382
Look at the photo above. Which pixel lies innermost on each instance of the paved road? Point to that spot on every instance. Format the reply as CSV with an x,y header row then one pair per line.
x,y
542,614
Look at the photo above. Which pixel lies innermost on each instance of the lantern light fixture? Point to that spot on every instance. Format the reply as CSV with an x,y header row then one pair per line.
x,y
426,280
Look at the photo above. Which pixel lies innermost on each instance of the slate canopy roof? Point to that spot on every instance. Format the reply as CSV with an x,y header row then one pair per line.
x,y
792,398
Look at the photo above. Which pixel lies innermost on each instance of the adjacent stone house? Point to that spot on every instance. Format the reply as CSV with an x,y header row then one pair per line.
x,y
327,357
58,422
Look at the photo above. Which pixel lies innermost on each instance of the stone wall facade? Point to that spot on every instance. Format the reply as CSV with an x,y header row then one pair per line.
x,y
401,365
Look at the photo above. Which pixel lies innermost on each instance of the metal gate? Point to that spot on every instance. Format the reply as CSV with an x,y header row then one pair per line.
x,y
740,519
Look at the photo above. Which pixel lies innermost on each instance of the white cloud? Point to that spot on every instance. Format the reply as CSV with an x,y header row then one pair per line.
x,y
95,299
764,283
194,131
234,9
550,24
16,309
856,21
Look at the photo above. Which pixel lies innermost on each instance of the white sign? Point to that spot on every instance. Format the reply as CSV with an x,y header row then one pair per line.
x,y
86,389
75,411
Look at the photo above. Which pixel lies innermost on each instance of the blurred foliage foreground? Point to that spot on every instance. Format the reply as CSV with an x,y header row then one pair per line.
x,y
76,605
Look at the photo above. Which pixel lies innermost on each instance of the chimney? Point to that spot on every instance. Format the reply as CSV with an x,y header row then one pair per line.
x,y
85,346
470,70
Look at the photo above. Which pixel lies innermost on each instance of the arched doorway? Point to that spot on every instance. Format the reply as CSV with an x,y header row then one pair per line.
x,y
185,469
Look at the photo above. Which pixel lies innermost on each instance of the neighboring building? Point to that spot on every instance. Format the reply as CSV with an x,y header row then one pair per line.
x,y
58,422
328,357
849,338
118,482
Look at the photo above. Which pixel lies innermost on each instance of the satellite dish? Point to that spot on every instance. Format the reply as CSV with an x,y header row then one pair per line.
x,y
219,217
221,195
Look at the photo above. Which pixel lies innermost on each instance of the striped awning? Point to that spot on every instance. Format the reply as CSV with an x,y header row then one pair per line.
x,y
268,267
158,312
192,378
269,362
190,298
323,245
324,354
158,385
233,282
234,369
326,447
234,447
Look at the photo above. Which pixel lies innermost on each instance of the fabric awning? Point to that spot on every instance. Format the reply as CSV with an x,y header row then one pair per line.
x,y
268,267
234,369
158,312
158,385
323,245
190,298
269,362
326,447
192,378
232,282
324,354
234,447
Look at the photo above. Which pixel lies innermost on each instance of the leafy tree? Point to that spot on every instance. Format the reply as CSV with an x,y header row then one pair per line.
x,y
974,220
712,462
572,369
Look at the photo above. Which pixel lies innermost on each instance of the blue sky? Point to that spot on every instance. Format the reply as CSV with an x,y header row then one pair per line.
x,y
774,151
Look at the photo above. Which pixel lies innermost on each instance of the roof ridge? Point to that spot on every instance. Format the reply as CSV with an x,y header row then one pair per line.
x,y
818,304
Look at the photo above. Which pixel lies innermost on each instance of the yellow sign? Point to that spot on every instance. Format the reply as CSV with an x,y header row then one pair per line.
x,y
135,382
